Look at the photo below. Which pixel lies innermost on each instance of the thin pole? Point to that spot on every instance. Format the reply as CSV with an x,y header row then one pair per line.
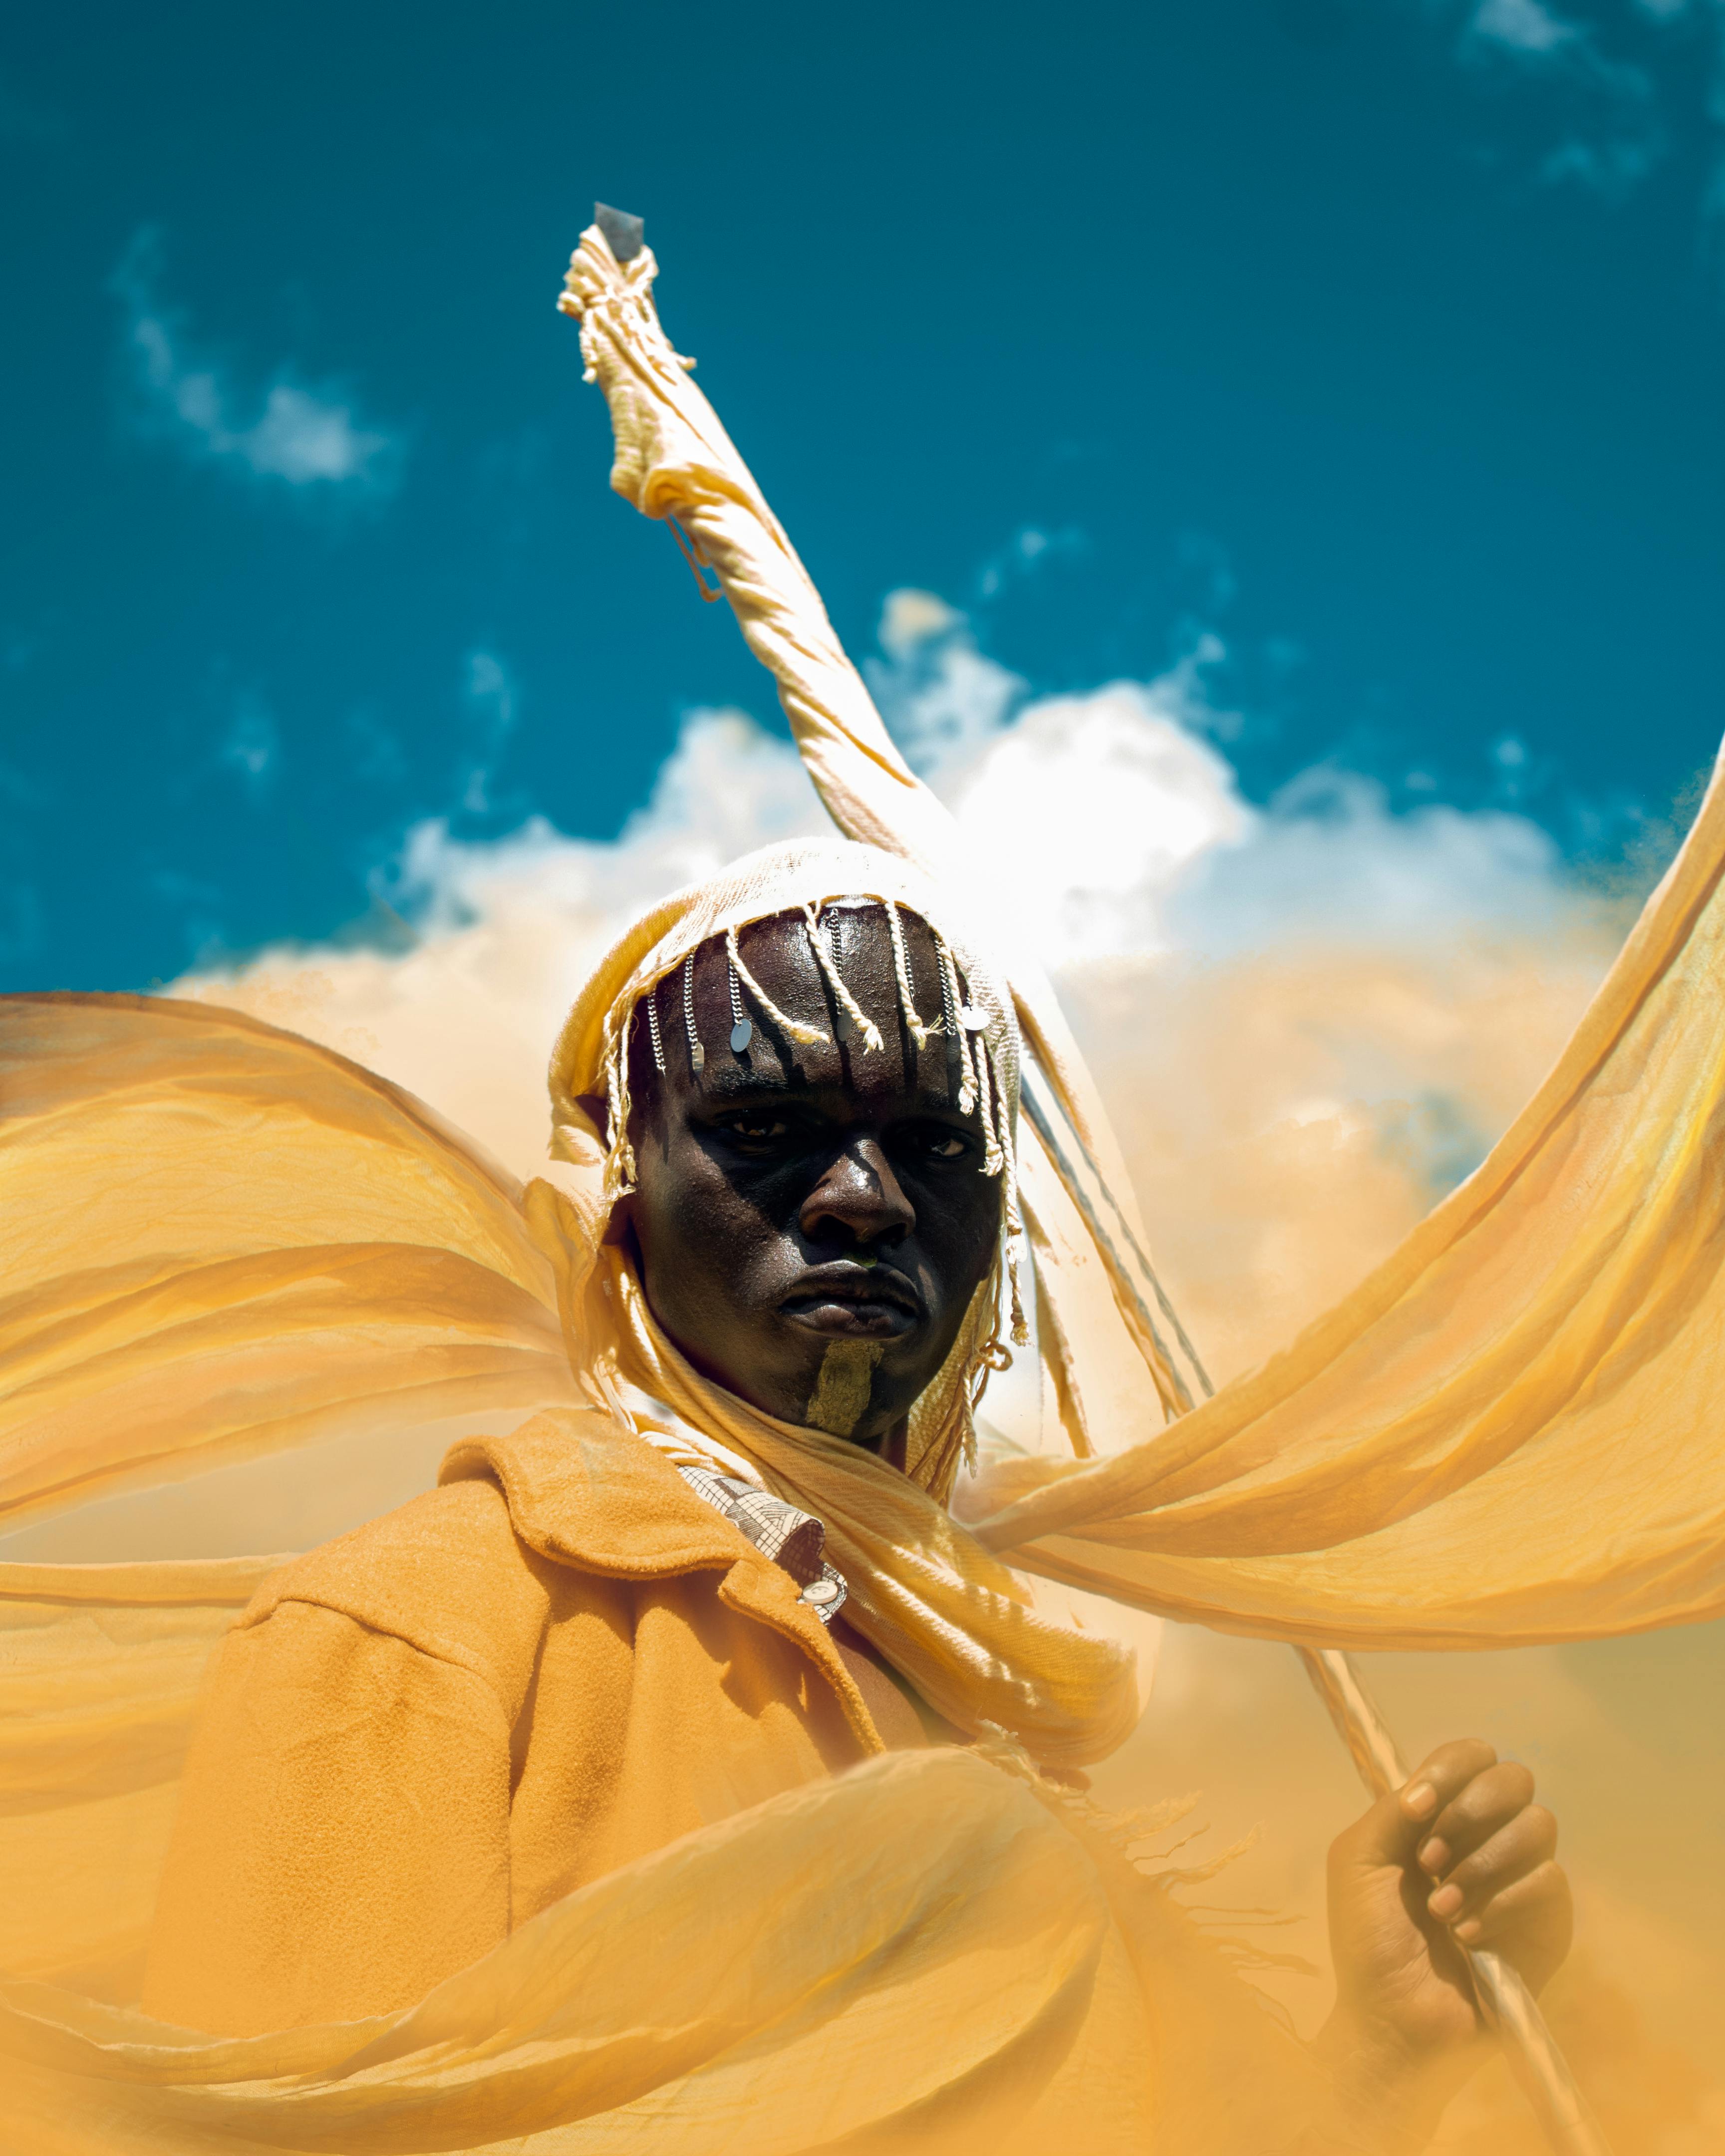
x,y
1506,2006
1134,1276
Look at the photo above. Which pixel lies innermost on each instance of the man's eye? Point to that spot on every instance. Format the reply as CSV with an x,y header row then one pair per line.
x,y
758,1130
937,1144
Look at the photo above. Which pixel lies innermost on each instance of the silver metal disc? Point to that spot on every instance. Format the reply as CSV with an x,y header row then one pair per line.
x,y
741,1034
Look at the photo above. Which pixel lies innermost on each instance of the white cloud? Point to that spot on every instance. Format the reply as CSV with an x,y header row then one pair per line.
x,y
301,437
1128,857
1615,117
1029,550
1142,842
727,787
942,698
1524,26
1114,799
1328,859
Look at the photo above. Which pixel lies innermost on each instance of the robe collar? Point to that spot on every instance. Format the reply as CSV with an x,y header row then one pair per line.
x,y
586,1492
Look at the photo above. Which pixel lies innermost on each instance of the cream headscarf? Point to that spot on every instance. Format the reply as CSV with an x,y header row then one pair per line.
x,y
960,1626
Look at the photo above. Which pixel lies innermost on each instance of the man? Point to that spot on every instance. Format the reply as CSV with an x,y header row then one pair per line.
x,y
622,1625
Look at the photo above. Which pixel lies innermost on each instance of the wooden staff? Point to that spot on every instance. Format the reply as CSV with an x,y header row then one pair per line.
x,y
1506,2004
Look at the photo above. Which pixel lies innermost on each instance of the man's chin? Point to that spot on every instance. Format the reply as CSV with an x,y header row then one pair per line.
x,y
820,1368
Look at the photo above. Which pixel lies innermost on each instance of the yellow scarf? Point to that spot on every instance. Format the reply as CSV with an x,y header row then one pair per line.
x,y
959,1624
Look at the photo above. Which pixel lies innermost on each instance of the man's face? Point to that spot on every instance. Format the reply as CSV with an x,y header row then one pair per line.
x,y
813,1222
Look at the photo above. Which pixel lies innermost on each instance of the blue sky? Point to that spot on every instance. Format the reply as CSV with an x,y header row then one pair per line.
x,y
1376,347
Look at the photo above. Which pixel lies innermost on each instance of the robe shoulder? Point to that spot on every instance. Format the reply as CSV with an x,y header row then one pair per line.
x,y
445,1574
342,1838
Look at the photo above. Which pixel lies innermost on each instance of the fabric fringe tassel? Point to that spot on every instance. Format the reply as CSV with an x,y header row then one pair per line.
x,y
987,1094
1014,1240
950,1000
620,1154
807,1036
871,1033
901,966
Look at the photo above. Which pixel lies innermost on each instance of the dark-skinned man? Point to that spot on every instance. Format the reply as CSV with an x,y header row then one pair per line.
x,y
614,1628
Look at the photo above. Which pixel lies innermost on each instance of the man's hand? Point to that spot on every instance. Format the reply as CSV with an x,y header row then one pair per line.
x,y
1460,1857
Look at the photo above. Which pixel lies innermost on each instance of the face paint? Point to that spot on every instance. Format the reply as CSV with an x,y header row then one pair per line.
x,y
841,1397
801,1195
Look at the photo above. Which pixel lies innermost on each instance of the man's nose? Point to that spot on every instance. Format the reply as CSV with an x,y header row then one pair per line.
x,y
858,1193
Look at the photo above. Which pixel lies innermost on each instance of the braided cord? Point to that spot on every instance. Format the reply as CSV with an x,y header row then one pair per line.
x,y
871,1033
807,1036
902,967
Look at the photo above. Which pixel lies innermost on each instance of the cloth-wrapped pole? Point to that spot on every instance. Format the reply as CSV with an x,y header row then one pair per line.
x,y
674,461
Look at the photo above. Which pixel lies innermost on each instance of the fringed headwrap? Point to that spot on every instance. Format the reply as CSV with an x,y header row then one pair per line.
x,y
798,881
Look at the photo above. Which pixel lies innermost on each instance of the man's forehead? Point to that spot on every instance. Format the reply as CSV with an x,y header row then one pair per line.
x,y
770,1069
841,1066
707,999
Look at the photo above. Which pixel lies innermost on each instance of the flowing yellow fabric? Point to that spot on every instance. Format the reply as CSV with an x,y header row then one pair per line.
x,y
100,1667
743,1987
936,1604
1512,1431
222,1240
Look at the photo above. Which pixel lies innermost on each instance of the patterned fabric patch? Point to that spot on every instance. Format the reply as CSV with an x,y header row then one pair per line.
x,y
793,1540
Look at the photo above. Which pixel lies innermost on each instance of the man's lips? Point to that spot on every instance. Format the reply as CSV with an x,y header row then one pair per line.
x,y
854,1302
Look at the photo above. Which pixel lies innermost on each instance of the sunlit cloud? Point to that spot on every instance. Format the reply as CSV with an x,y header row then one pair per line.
x,y
301,437
1310,1016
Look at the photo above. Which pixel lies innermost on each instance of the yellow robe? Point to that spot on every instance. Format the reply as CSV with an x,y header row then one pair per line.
x,y
423,1734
